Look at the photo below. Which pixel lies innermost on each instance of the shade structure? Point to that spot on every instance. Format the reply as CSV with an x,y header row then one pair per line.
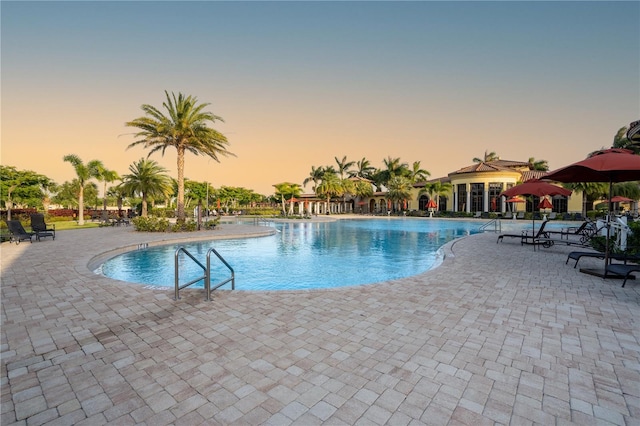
x,y
537,188
545,204
515,200
620,199
609,165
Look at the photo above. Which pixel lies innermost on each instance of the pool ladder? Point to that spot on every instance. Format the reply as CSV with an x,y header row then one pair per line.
x,y
207,273
497,225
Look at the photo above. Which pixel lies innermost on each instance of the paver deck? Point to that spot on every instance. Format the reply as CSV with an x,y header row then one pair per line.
x,y
498,334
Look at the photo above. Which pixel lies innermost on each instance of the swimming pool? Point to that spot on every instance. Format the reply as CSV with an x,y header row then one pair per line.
x,y
304,255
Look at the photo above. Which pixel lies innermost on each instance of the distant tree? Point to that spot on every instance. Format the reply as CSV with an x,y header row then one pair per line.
x,y
343,166
84,172
399,189
488,156
435,190
105,176
591,191
22,186
184,128
147,179
394,167
417,174
285,191
364,169
315,176
540,165
331,186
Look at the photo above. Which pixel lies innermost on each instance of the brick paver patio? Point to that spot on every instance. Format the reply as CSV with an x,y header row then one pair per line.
x,y
498,334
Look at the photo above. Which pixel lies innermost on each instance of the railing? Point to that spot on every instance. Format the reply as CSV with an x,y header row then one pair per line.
x,y
497,225
207,273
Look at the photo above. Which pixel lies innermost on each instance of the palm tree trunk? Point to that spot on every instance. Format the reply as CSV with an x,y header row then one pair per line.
x,y
144,205
81,206
181,216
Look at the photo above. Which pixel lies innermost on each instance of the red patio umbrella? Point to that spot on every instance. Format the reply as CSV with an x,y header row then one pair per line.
x,y
537,188
545,204
620,199
609,165
431,204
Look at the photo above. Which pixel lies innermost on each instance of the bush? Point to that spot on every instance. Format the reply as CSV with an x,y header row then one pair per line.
x,y
151,224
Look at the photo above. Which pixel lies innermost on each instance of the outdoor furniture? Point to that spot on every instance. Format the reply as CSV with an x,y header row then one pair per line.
x,y
18,232
623,270
577,255
40,228
525,237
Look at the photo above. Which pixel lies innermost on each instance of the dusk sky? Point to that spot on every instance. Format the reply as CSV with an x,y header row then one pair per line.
x,y
299,83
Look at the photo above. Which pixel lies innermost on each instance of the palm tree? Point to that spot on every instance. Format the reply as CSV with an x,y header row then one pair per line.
x,y
185,129
331,186
84,172
435,190
343,166
540,165
416,174
147,178
399,188
287,191
488,156
393,168
104,175
591,191
315,176
365,169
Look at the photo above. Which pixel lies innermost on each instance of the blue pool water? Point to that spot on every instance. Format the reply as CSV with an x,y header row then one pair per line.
x,y
303,255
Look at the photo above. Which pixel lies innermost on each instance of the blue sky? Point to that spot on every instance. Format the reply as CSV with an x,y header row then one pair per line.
x,y
299,83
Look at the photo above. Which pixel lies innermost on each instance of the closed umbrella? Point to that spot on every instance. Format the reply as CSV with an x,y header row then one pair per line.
x,y
431,205
609,165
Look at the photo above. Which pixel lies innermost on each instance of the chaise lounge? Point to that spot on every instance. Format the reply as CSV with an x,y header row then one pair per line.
x,y
623,270
526,238
17,232
40,228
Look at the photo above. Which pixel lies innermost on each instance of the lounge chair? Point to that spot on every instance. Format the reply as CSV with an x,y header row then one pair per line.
x,y
552,215
525,237
477,215
577,255
585,231
508,215
18,232
623,270
520,215
40,228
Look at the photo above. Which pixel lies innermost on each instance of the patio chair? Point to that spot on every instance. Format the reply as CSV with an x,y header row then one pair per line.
x,y
40,228
520,215
526,238
18,232
623,270
585,231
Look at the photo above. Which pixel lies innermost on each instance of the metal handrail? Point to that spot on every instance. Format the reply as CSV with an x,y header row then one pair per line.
x,y
207,273
179,287
497,225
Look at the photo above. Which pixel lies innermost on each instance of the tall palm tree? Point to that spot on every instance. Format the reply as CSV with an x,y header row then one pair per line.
x,y
84,172
591,191
416,174
393,168
435,190
399,188
148,179
488,156
184,128
541,165
105,176
331,186
364,169
286,191
315,176
343,166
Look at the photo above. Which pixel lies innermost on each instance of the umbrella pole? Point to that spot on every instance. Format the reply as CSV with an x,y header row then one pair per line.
x,y
606,245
